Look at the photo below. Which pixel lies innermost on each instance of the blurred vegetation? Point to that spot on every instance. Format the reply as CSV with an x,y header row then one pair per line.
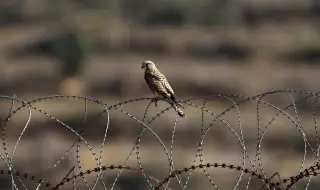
x,y
94,19
219,31
70,51
10,14
309,53
225,46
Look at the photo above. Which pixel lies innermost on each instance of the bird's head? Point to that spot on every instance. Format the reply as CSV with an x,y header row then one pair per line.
x,y
148,65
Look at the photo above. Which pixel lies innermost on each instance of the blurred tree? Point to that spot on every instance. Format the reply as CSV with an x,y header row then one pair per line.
x,y
10,12
68,45
70,50
73,46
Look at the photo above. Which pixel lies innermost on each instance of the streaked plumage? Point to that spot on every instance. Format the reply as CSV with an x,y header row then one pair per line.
x,y
160,86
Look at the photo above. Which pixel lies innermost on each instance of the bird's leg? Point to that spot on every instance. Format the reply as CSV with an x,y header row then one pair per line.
x,y
155,100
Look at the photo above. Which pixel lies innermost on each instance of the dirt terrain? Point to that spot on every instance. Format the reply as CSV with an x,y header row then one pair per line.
x,y
278,49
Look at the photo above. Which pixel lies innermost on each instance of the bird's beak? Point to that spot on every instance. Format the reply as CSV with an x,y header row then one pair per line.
x,y
142,66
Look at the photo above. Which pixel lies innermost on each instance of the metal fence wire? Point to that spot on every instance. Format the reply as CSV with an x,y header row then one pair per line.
x,y
291,105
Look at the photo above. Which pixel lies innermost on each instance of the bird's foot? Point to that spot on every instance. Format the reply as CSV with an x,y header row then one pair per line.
x,y
155,102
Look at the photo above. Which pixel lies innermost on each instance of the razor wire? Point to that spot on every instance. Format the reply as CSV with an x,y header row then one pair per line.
x,y
249,171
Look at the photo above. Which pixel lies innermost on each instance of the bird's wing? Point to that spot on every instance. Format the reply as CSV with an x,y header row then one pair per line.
x,y
156,85
167,86
169,90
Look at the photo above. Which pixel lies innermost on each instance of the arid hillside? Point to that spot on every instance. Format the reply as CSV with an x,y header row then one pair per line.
x,y
95,49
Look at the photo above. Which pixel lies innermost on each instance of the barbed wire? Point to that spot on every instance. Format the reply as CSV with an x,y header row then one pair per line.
x,y
251,167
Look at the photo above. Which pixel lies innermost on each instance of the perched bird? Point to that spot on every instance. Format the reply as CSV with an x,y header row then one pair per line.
x,y
160,86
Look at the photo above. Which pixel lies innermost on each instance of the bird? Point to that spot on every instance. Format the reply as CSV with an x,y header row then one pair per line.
x,y
160,86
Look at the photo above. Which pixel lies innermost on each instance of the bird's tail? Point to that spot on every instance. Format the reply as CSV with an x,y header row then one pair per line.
x,y
180,105
177,106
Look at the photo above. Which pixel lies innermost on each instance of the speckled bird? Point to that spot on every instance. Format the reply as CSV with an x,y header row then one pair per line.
x,y
160,86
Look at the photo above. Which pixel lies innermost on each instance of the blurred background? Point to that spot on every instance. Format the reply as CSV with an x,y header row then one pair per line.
x,y
95,48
